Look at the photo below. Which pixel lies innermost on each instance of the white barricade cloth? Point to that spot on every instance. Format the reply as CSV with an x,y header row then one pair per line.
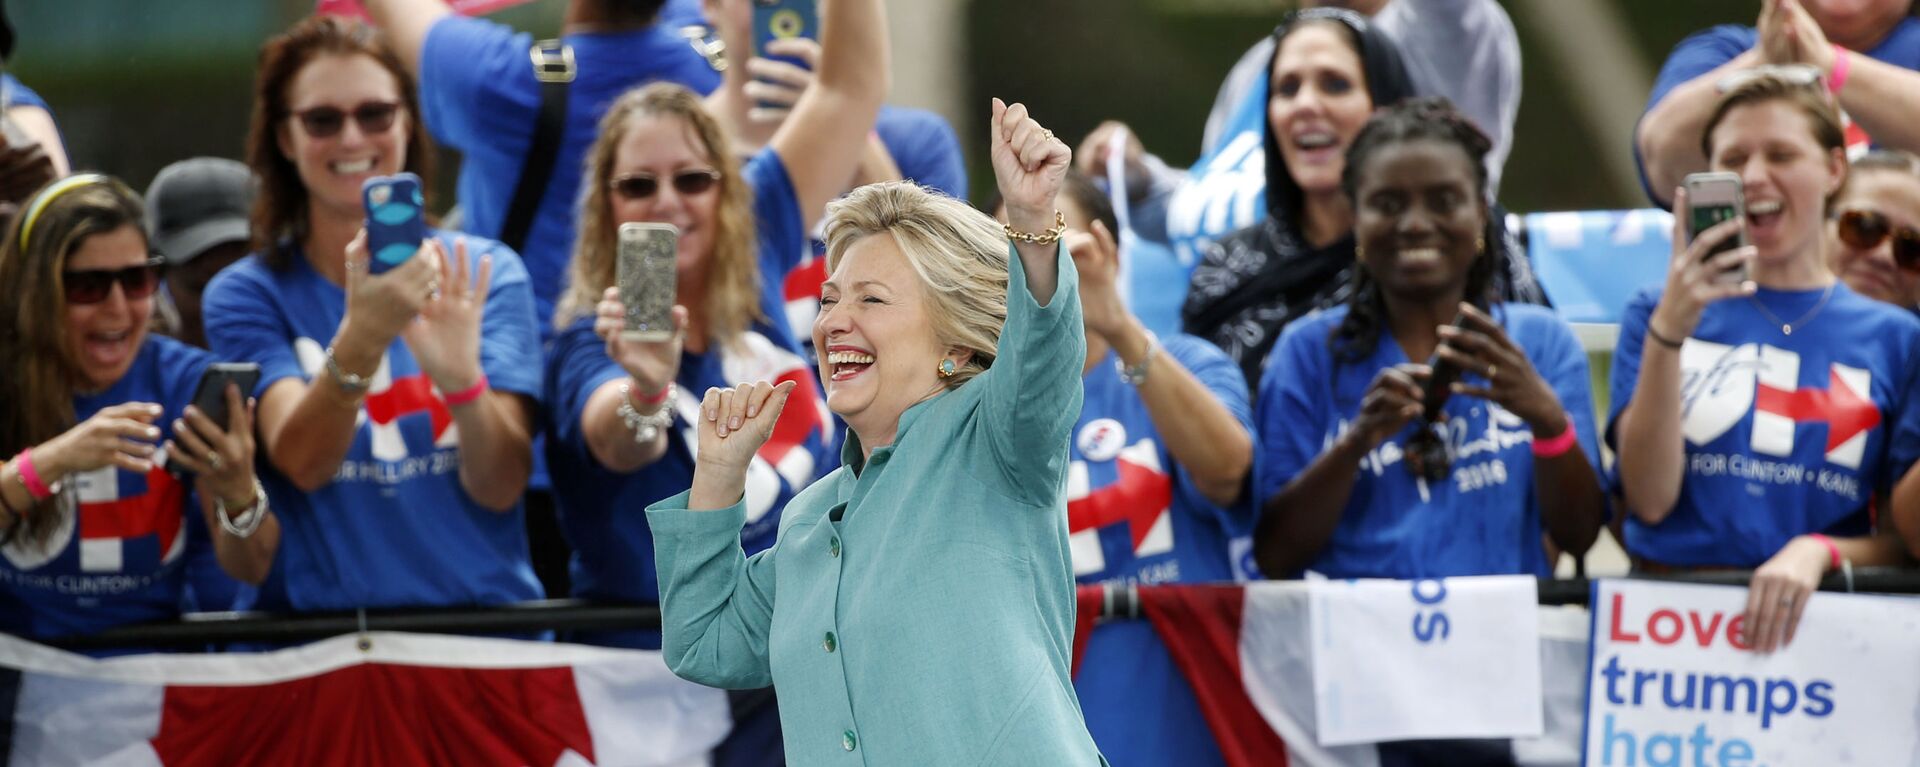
x,y
408,699
1443,658
1672,685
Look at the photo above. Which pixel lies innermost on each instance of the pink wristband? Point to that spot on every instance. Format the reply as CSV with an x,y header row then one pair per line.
x,y
1554,447
1833,549
1842,65
650,399
30,477
468,394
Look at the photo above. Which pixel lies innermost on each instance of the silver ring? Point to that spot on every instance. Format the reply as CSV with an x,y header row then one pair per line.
x,y
213,461
433,288
1786,601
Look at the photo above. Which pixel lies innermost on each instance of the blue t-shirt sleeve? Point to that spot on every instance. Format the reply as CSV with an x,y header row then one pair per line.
x,y
1216,371
245,324
509,331
1291,408
579,366
1697,55
19,95
476,83
776,212
1560,360
925,148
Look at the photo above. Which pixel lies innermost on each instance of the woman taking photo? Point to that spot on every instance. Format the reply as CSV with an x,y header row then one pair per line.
x,y
925,598
1755,421
1360,479
95,424
396,409
622,410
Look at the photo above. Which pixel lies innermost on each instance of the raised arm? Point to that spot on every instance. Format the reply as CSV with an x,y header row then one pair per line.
x,y
823,141
406,23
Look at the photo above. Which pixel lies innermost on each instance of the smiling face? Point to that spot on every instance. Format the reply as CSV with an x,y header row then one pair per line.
x,y
1873,272
1786,175
104,337
1418,219
878,352
333,168
1318,103
663,146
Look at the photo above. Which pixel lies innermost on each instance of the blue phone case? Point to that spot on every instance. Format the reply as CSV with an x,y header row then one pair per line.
x,y
783,19
396,219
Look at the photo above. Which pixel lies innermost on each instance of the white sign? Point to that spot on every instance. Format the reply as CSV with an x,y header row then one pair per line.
x,y
1452,658
1671,683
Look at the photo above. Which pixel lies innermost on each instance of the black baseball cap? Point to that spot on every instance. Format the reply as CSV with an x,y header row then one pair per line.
x,y
198,203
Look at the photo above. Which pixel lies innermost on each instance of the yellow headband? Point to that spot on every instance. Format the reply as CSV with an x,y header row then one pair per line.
x,y
49,195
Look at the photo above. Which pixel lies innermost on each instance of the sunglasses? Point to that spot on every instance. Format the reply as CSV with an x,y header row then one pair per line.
x,y
91,286
1866,229
1803,75
326,122
640,186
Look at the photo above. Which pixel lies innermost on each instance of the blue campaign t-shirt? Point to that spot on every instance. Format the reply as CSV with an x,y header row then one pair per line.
x,y
601,511
1484,518
393,527
1708,49
130,547
479,95
1134,517
17,93
1785,434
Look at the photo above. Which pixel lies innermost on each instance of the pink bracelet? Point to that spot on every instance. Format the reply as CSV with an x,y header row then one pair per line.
x,y
468,394
1842,65
1833,549
1555,446
30,477
650,399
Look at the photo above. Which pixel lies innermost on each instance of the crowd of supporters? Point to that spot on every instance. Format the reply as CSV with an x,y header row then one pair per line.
x,y
1368,382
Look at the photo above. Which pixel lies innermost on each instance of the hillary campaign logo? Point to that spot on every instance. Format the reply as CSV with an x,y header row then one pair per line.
x,y
388,401
1138,499
1722,384
124,522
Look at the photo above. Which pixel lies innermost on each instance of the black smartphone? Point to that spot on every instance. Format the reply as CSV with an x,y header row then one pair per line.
x,y
1428,455
211,395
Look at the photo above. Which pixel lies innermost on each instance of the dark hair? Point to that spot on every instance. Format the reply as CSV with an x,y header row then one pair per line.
x,y
1090,200
1387,83
280,209
628,13
1432,119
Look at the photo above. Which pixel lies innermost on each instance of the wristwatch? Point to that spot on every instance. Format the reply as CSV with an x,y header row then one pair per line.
x,y
348,382
249,519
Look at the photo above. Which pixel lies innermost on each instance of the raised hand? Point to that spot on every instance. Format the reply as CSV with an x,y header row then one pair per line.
x,y
1484,349
1391,401
380,306
1030,165
220,458
776,85
1097,258
445,336
735,422
1693,279
652,364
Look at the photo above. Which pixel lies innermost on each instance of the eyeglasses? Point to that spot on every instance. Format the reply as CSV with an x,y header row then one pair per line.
x,y
640,186
326,122
1866,229
91,286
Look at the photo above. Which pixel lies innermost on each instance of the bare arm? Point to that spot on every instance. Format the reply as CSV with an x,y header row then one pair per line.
x,y
406,23
1669,135
1200,433
1879,96
38,125
609,439
306,428
822,143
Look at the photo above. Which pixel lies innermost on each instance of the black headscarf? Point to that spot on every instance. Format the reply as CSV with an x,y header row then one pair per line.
x,y
1387,83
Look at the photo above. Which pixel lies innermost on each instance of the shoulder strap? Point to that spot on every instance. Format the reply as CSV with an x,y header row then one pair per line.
x,y
553,67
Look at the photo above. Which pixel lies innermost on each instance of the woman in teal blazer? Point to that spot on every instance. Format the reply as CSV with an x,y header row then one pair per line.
x,y
917,607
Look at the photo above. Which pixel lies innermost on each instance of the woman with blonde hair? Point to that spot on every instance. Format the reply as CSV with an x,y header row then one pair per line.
x,y
918,605
94,422
618,429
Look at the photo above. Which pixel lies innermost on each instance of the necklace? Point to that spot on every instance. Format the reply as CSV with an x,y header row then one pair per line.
x,y
1786,328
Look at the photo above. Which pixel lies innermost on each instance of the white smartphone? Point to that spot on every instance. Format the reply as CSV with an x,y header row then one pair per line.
x,y
1711,199
648,279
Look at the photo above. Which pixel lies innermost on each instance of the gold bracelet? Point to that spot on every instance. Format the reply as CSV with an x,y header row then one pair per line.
x,y
1047,237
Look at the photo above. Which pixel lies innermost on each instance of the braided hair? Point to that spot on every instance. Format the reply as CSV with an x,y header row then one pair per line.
x,y
1426,119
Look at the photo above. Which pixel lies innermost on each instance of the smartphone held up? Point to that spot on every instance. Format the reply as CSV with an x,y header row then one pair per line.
x,y
396,219
647,277
1711,199
210,395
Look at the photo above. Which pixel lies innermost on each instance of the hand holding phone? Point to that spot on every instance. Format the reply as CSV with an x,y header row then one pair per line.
x,y
784,20
396,220
1711,199
1428,455
648,279
210,396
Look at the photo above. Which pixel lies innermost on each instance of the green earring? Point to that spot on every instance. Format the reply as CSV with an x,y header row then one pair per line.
x,y
946,368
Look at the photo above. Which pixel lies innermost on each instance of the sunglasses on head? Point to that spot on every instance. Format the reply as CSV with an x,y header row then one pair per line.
x,y
326,122
640,186
91,286
1866,229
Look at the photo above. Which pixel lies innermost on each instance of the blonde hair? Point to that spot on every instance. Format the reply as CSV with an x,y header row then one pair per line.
x,y
1810,99
959,254
732,300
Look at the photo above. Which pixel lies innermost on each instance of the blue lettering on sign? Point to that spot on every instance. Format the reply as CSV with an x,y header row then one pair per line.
x,y
1430,625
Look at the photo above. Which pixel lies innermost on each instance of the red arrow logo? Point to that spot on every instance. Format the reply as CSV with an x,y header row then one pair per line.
x,y
1844,410
1137,498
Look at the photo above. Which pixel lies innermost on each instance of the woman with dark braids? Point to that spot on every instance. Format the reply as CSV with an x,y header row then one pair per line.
x,y
1342,399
